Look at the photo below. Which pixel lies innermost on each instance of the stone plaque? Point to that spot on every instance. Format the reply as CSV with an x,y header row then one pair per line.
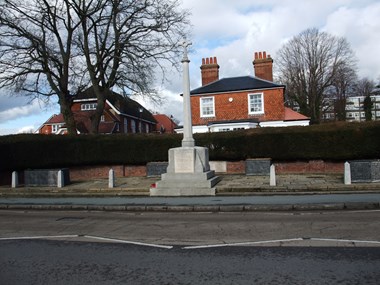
x,y
156,168
184,160
365,170
260,166
46,177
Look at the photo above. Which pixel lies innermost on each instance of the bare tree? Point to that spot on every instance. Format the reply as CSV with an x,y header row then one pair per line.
x,y
343,86
36,56
100,43
309,64
123,42
366,88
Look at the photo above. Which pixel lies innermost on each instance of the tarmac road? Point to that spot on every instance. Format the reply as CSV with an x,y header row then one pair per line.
x,y
56,262
86,247
332,228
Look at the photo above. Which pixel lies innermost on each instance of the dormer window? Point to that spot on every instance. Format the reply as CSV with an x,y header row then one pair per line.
x,y
88,106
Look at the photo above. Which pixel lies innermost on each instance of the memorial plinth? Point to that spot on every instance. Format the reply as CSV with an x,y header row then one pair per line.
x,y
188,172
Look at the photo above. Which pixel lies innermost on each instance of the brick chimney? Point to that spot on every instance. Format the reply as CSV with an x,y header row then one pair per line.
x,y
209,70
263,66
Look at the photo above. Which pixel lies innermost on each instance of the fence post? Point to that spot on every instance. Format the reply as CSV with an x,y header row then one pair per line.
x,y
60,179
272,175
14,179
347,173
111,178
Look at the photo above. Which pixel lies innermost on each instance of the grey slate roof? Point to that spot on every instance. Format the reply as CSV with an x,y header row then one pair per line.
x,y
235,84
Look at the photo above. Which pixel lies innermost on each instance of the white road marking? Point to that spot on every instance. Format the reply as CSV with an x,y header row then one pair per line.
x,y
39,237
241,243
89,237
346,240
129,242
276,241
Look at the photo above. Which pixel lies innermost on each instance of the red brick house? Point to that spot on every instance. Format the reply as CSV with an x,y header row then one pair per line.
x,y
165,124
120,115
240,102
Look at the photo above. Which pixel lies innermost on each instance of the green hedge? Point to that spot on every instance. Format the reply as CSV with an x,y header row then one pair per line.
x,y
328,142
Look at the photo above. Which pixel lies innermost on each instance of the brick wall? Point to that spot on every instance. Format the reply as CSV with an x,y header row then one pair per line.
x,y
86,172
236,108
312,166
294,167
233,167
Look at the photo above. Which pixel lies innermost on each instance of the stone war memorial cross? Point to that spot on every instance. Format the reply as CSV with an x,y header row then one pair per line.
x,y
188,172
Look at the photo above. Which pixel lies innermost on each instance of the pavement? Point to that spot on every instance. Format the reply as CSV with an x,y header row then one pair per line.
x,y
233,193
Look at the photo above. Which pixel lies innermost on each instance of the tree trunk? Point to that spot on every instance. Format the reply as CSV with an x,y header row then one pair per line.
x,y
68,115
95,118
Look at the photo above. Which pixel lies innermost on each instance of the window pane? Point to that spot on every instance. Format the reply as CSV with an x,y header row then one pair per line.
x,y
207,106
255,103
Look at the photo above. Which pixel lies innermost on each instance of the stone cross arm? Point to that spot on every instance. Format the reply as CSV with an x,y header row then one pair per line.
x,y
185,44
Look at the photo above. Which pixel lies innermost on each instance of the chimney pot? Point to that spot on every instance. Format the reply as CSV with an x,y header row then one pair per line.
x,y
209,70
263,65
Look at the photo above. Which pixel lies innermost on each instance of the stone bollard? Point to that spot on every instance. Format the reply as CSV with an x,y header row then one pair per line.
x,y
60,179
14,179
111,178
272,175
347,173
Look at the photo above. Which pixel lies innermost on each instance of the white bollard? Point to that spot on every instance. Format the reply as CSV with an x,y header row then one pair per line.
x,y
272,174
14,179
111,178
60,179
347,173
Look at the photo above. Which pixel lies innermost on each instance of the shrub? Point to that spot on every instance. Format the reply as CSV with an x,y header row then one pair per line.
x,y
328,142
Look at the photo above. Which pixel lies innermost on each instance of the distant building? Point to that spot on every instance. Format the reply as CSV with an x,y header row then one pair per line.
x,y
240,102
354,109
120,115
164,124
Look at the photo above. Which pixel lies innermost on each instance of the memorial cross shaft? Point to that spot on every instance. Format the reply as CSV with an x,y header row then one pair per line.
x,y
188,140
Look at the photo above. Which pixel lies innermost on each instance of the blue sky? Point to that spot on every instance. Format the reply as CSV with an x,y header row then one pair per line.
x,y
232,31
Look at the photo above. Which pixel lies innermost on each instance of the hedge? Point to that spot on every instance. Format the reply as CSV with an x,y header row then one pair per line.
x,y
333,142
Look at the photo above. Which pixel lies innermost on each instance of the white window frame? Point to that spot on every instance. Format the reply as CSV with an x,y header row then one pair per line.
x,y
202,105
261,111
55,127
88,106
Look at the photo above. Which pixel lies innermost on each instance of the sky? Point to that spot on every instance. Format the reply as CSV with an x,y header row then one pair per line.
x,y
232,31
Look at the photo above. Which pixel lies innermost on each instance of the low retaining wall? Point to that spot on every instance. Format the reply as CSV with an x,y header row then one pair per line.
x,y
228,167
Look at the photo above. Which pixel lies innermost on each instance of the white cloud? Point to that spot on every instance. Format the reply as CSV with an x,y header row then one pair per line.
x,y
360,26
26,130
171,105
234,30
24,109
